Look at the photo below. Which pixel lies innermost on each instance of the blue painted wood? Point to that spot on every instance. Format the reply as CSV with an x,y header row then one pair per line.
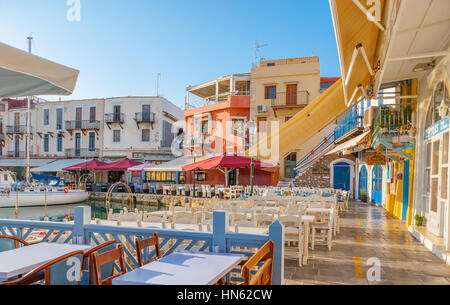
x,y
405,194
362,180
220,229
82,217
276,234
377,184
341,176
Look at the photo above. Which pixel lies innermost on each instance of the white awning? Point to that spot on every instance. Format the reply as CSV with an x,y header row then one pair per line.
x,y
24,74
177,164
22,162
349,144
57,165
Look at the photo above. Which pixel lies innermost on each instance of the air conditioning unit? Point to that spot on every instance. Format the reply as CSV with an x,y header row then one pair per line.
x,y
369,116
261,108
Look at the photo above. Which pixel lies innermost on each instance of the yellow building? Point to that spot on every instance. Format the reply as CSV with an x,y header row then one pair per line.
x,y
279,89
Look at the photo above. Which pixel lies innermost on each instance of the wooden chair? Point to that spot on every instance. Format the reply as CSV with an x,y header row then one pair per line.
x,y
8,242
325,231
87,262
55,272
264,275
106,258
143,244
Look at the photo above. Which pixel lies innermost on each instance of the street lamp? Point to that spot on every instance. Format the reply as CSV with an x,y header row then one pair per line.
x,y
443,107
193,153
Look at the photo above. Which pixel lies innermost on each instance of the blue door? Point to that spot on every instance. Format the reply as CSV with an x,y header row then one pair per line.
x,y
362,181
341,176
377,180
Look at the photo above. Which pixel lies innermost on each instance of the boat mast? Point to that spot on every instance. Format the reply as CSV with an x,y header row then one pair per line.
x,y
27,145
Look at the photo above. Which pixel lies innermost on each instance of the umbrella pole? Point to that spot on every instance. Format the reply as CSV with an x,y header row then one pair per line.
x,y
252,169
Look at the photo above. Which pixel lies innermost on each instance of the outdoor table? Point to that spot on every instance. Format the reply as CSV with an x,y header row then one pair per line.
x,y
183,268
22,260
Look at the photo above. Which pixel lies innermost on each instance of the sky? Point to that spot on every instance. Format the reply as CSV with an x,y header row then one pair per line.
x,y
120,46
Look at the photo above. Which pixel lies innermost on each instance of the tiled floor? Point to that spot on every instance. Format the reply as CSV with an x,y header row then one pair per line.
x,y
366,232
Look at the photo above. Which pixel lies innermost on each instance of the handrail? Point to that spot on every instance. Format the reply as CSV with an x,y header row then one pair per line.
x,y
329,140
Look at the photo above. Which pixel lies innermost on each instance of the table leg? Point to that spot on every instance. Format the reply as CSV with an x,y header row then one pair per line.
x,y
306,244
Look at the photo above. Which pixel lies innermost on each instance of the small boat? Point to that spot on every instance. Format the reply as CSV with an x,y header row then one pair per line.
x,y
35,194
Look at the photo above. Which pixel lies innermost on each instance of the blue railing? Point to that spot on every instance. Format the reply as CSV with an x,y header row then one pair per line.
x,y
220,239
352,121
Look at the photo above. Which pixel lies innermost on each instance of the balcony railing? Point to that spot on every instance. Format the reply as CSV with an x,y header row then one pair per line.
x,y
17,129
84,125
212,99
82,153
16,154
145,117
290,99
351,122
114,118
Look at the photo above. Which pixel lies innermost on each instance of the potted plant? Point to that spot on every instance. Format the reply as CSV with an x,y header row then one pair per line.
x,y
363,196
419,220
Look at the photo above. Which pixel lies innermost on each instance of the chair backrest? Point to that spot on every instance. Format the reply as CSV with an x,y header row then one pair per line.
x,y
64,270
234,217
264,275
264,219
100,259
143,245
290,221
106,270
11,242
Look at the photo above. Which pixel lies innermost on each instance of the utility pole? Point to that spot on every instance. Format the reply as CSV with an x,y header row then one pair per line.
x,y
27,144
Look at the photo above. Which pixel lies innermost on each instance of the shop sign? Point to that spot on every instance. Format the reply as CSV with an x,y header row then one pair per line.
x,y
320,170
437,128
376,159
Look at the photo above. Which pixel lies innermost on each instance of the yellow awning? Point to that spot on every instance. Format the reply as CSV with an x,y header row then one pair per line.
x,y
349,144
357,40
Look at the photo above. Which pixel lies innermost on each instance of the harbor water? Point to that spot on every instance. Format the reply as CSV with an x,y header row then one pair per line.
x,y
59,212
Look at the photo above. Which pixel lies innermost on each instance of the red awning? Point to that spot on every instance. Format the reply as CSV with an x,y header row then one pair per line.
x,y
121,165
226,162
90,165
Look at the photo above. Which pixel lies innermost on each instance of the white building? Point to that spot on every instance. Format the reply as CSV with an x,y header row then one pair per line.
x,y
139,128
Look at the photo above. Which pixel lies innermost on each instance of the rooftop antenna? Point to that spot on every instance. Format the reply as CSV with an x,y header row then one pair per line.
x,y
257,48
158,78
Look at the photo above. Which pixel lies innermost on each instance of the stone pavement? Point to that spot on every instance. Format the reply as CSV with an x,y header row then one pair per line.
x,y
366,232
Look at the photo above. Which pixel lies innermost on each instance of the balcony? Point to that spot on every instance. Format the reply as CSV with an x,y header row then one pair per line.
x,y
351,126
17,129
16,154
290,99
82,125
114,118
82,153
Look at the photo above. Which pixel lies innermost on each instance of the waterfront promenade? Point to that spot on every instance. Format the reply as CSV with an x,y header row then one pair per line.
x,y
366,232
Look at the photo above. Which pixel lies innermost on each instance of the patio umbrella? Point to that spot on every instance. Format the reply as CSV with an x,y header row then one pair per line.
x,y
225,164
118,166
140,167
90,165
24,74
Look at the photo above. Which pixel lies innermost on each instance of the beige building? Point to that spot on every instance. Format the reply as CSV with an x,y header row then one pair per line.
x,y
280,89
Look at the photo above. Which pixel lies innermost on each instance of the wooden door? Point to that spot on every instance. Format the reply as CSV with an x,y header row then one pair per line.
x,y
291,94
78,117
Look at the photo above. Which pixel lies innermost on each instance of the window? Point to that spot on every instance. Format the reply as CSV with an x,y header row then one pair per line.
x,y
270,92
92,141
46,117
46,143
204,127
238,127
117,113
59,119
167,135
145,135
92,114
262,124
116,136
59,143
2,107
146,113
200,176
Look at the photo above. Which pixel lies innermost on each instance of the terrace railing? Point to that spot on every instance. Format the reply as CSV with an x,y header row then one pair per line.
x,y
290,99
354,120
83,153
82,125
81,231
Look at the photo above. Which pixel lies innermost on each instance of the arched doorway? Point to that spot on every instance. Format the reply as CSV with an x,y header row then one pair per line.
x,y
377,184
341,176
363,182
